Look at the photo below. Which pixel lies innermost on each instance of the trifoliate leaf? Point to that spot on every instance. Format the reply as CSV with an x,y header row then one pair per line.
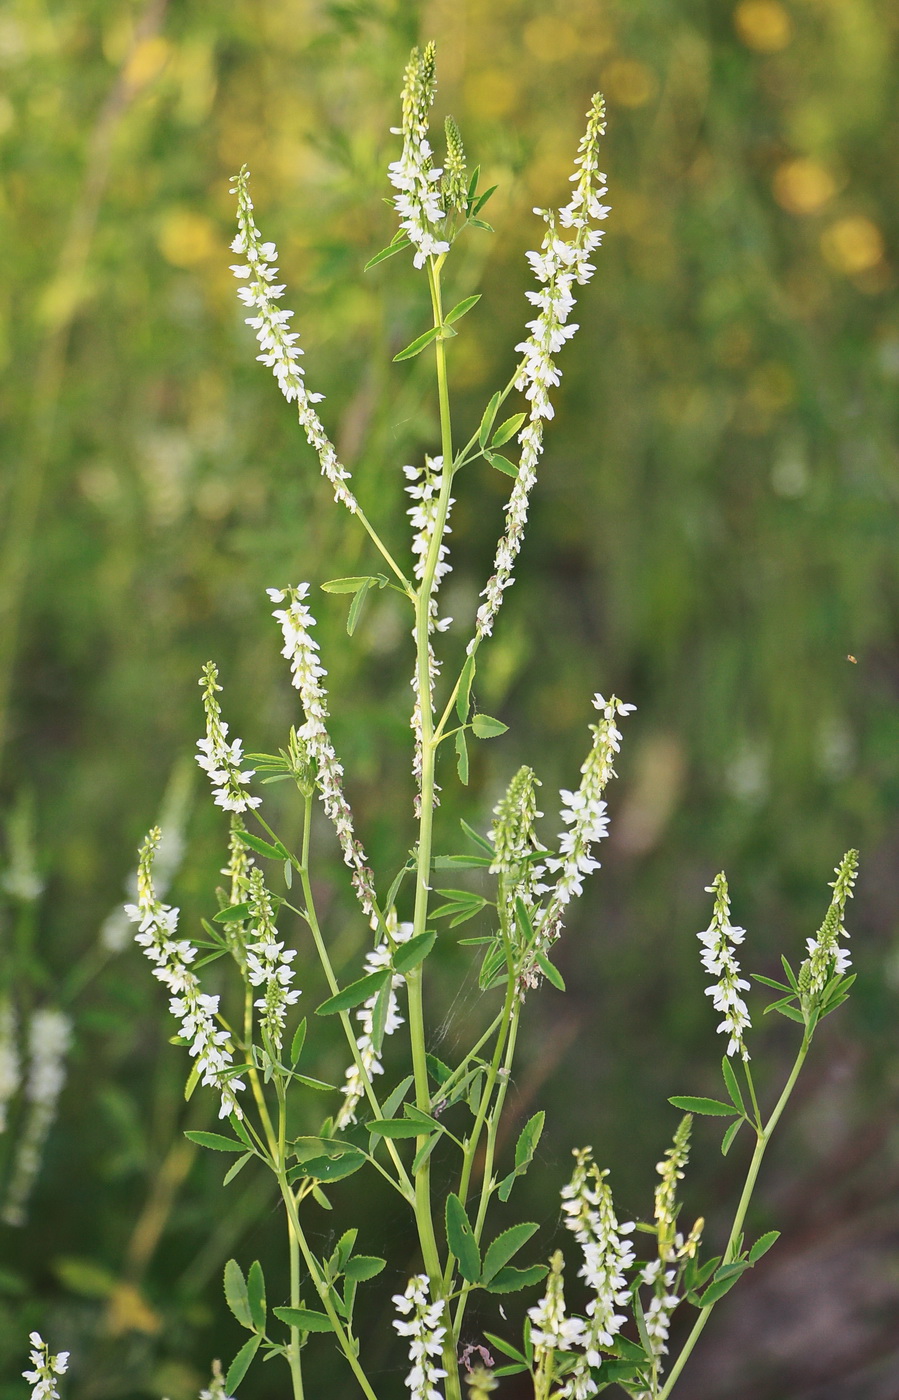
x,y
461,1240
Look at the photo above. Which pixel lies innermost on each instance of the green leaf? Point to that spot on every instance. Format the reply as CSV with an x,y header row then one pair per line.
x,y
410,955
364,1267
329,1168
791,976
424,1152
727,1140
463,694
232,915
551,973
305,1148
507,430
731,1084
712,1107
461,862
347,585
629,1351
395,1098
318,1084
504,1248
236,1294
256,1295
510,1280
395,1128
241,1363
396,246
475,836
790,1012
462,757
356,607
486,727
304,1319
717,1289
502,464
215,1141
262,848
483,199
355,993
379,1017
762,1245
769,982
525,1148
421,343
505,1347
461,1240
460,309
479,223
299,1039
438,1071
237,1167
490,413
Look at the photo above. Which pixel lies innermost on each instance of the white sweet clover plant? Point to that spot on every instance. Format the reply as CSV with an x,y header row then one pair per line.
x,y
631,1277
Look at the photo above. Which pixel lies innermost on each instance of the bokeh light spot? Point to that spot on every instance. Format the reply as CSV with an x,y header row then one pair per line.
x,y
628,82
763,25
852,245
803,186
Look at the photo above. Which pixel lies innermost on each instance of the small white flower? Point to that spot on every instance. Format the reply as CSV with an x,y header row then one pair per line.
x,y
418,202
267,962
46,1368
426,1330
825,955
378,958
197,1012
301,650
720,961
608,1254
219,758
279,347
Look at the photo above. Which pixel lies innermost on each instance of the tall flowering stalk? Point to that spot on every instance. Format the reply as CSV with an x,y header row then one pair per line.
x,y
401,1107
45,1369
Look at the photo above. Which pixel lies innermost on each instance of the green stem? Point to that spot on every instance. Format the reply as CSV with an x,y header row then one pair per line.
x,y
764,1137
321,948
423,1210
322,1289
296,1366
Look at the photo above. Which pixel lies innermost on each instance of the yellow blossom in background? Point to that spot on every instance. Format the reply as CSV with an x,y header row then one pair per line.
x,y
186,238
763,25
803,186
852,245
628,82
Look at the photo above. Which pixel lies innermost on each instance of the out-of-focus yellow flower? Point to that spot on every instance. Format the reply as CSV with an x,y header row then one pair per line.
x,y
186,239
551,39
771,387
803,186
763,25
147,61
852,245
491,93
628,82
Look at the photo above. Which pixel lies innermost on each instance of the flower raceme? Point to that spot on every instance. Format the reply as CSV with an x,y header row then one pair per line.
x,y
419,201
423,1322
45,1369
157,925
221,760
719,959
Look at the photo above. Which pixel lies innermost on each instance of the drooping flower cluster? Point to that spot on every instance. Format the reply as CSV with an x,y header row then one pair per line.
x,y
720,961
268,962
825,955
560,263
219,758
301,650
46,1368
115,930
584,814
378,958
278,345
423,1323
424,487
197,1011
608,1254
49,1039
414,175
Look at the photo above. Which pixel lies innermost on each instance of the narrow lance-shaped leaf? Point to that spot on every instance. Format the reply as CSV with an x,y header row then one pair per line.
x,y
461,1240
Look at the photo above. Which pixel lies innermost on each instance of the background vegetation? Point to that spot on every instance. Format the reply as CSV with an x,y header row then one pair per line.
x,y
713,538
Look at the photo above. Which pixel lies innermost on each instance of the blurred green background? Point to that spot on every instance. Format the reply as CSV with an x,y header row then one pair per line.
x,y
713,537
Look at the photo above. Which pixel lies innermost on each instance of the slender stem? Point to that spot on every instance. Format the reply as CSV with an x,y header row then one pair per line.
x,y
324,957
423,1210
296,1367
321,1286
385,553
764,1137
457,1073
